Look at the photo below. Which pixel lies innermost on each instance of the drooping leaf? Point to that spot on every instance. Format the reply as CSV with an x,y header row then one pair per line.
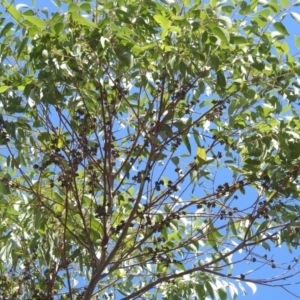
x,y
281,28
221,79
222,34
6,29
295,16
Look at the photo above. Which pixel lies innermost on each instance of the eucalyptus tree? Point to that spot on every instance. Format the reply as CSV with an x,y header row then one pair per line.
x,y
150,150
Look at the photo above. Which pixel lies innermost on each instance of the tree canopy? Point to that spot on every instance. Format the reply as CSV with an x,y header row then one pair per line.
x,y
149,149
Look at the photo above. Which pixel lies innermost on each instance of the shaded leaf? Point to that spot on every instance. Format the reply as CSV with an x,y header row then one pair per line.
x,y
238,39
186,141
280,28
222,294
210,290
4,189
221,79
6,29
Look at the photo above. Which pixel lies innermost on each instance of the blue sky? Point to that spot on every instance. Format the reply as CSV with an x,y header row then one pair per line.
x,y
278,254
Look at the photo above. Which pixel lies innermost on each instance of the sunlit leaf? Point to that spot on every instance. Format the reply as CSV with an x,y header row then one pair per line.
x,y
295,16
82,20
162,21
252,286
200,156
4,88
221,33
35,21
11,10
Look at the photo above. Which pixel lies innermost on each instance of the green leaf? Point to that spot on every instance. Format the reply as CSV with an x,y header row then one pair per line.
x,y
200,291
37,218
213,3
4,189
175,160
58,27
57,3
6,29
221,79
162,21
196,137
285,3
274,6
58,198
264,13
280,28
22,46
266,246
210,290
214,61
258,64
222,294
200,157
11,10
262,226
4,88
238,39
222,34
73,7
82,20
201,87
233,226
86,7
242,189
282,48
186,141
35,21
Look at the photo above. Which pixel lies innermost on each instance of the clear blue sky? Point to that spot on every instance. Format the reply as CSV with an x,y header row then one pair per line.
x,y
278,254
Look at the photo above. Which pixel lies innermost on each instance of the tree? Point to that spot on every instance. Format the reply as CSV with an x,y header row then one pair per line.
x,y
148,149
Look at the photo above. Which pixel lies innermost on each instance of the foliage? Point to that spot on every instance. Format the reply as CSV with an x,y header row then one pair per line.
x,y
147,148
